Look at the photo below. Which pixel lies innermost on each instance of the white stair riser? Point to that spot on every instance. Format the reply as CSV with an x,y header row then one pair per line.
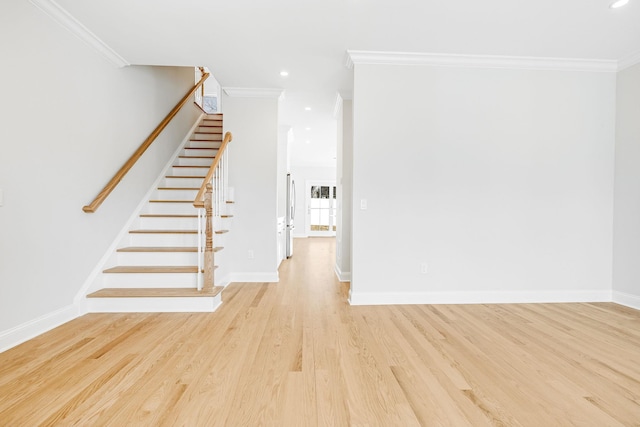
x,y
171,208
183,182
188,171
211,127
154,305
174,194
206,137
203,144
149,280
163,240
195,161
157,258
193,152
153,223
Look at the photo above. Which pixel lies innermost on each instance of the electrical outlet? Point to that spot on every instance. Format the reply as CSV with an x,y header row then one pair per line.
x,y
250,254
424,268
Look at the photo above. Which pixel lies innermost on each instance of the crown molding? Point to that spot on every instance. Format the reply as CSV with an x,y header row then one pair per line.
x,y
348,60
629,61
355,57
64,18
246,92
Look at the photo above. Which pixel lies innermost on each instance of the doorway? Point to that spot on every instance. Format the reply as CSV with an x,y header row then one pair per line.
x,y
321,208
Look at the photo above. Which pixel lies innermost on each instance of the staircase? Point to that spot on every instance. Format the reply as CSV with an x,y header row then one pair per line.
x,y
156,266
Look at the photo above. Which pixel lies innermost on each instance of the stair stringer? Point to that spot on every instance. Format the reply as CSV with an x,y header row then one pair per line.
x,y
93,281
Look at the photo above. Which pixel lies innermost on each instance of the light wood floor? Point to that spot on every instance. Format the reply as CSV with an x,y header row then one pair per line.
x,y
296,354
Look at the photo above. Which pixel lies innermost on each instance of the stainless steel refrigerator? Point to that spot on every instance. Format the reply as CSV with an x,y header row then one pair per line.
x,y
291,214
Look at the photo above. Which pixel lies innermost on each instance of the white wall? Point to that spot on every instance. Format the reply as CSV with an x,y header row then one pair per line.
x,y
253,169
501,181
70,120
344,186
626,249
302,174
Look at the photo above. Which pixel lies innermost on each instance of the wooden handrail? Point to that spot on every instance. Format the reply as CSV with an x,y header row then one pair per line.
x,y
198,202
93,206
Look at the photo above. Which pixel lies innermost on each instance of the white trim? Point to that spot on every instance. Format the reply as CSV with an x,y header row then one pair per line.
x,y
488,297
268,277
348,60
246,92
628,300
86,288
629,61
28,330
343,276
480,61
64,18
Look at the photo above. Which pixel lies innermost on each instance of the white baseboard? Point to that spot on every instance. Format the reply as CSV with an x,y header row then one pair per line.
x,y
388,298
254,277
343,276
628,300
21,333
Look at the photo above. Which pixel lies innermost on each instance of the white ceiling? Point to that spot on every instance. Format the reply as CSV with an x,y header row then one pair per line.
x,y
246,43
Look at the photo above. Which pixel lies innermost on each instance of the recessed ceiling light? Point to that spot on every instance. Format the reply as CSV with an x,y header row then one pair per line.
x,y
308,142
284,73
307,128
307,108
618,3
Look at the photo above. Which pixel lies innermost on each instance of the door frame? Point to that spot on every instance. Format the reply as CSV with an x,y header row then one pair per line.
x,y
307,207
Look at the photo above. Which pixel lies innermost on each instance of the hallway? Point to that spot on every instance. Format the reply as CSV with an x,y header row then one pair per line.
x,y
295,353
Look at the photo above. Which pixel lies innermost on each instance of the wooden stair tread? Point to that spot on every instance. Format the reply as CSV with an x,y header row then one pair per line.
x,y
230,201
155,293
183,166
159,249
203,148
209,133
221,231
163,231
184,176
169,215
226,216
170,201
164,249
178,188
152,269
197,157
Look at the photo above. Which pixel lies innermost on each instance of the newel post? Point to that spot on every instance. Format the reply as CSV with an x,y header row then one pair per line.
x,y
208,249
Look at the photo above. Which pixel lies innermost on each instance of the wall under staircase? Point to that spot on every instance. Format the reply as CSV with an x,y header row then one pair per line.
x,y
155,265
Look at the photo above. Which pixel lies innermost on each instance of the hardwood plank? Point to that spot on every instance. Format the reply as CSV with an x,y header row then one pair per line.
x,y
154,292
163,231
159,249
168,216
152,269
296,353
